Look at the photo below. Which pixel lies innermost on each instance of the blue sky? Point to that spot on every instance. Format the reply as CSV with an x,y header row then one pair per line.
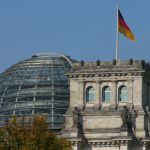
x,y
82,29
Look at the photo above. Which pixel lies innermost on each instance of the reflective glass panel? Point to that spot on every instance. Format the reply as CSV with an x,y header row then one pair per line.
x,y
36,85
123,93
90,94
106,94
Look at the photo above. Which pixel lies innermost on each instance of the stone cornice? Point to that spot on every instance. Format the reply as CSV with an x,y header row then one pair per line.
x,y
112,142
103,74
107,142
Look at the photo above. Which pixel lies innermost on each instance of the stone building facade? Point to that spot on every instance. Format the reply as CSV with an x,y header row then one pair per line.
x,y
109,106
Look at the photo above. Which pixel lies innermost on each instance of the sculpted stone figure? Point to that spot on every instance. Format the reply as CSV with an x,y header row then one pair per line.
x,y
132,115
129,119
124,116
77,120
75,117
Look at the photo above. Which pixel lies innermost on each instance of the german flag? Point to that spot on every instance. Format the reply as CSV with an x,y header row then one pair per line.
x,y
123,27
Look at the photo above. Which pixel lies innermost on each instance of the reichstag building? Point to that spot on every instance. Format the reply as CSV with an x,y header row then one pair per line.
x,y
101,105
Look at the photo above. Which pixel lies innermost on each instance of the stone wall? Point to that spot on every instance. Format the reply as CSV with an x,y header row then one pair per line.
x,y
101,119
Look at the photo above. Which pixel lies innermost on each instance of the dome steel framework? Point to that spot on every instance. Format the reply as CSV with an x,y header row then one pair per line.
x,y
38,85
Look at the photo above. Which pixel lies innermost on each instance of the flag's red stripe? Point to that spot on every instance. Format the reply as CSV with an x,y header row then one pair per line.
x,y
123,23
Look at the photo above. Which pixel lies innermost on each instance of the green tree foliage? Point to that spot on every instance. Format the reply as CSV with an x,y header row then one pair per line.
x,y
31,135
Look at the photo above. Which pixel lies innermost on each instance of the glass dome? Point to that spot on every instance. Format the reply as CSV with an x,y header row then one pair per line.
x,y
38,85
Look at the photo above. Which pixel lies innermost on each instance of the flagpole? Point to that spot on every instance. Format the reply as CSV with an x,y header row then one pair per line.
x,y
117,37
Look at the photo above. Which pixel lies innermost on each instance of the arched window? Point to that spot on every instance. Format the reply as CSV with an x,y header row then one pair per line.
x,y
90,94
123,93
106,94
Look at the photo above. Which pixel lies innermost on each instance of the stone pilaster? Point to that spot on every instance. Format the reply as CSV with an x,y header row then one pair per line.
x,y
97,92
138,92
114,92
140,129
75,148
73,93
130,91
81,93
123,147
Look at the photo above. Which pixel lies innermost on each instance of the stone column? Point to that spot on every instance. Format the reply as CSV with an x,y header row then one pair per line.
x,y
81,93
73,92
130,91
100,93
138,92
114,92
97,92
140,127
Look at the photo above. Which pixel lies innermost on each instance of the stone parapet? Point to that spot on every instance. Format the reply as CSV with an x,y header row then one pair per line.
x,y
110,65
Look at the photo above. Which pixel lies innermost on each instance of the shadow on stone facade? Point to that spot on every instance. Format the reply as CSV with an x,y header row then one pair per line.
x,y
129,116
83,145
136,144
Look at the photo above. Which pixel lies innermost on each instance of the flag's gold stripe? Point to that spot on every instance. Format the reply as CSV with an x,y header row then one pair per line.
x,y
126,33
